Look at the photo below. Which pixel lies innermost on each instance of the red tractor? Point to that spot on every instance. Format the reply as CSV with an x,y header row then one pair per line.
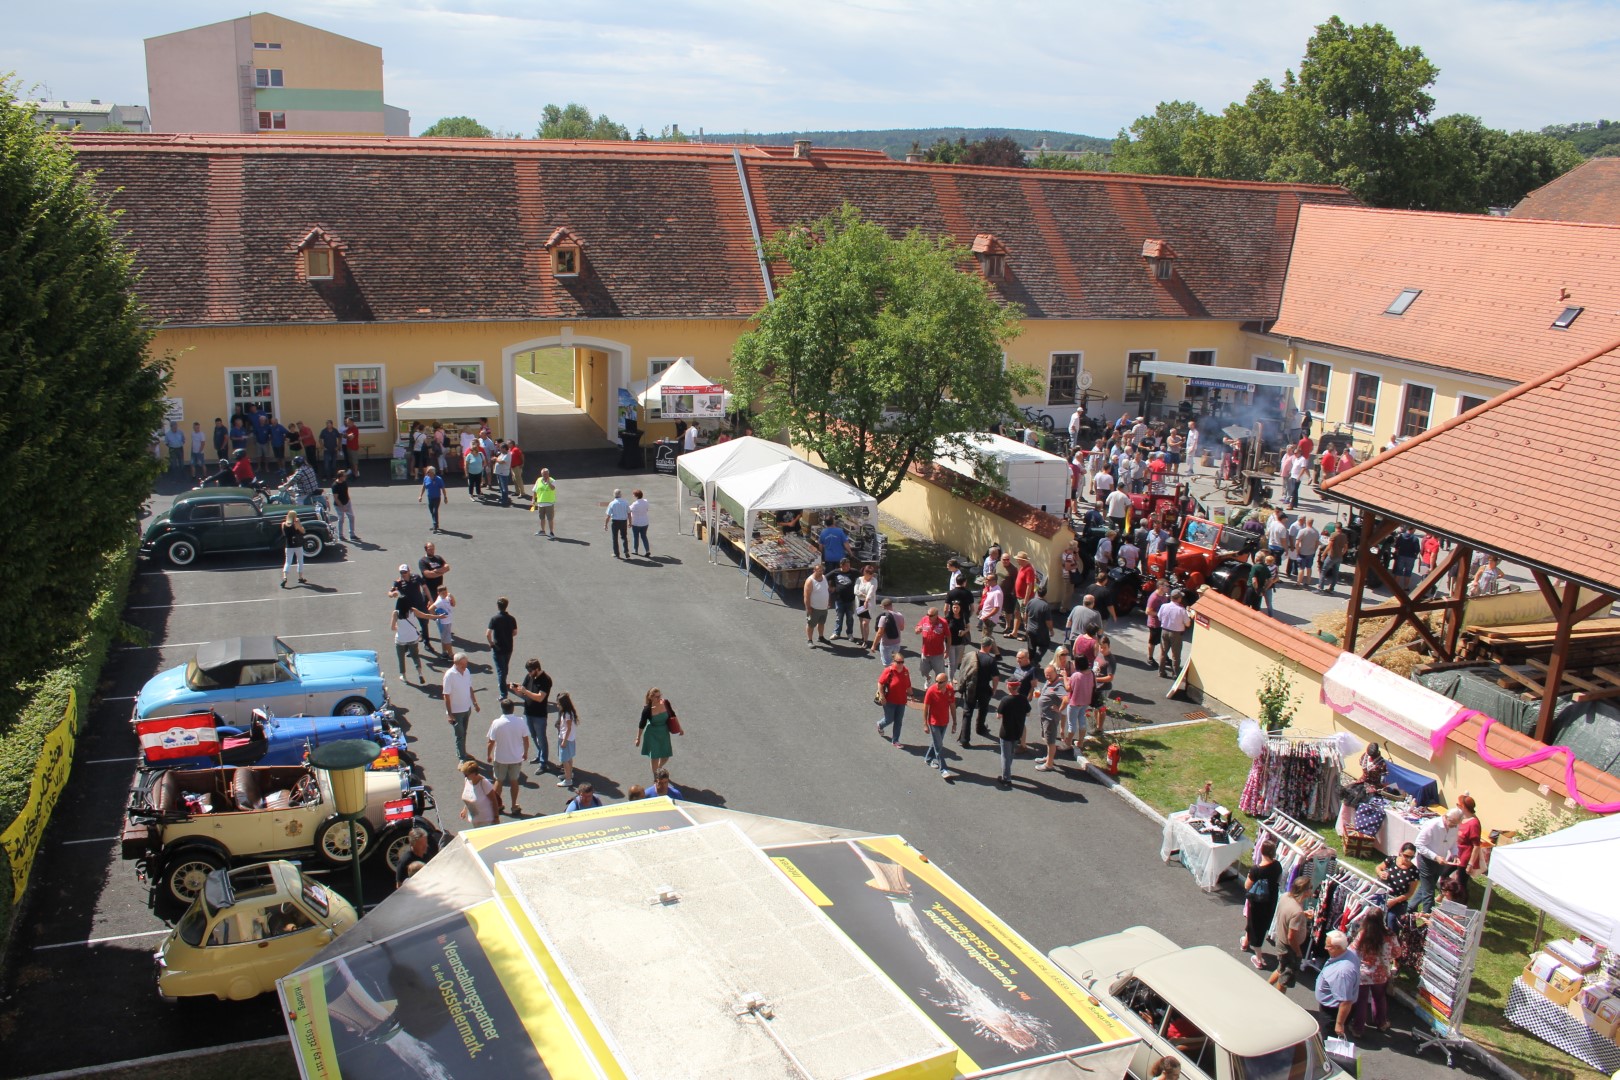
x,y
1208,554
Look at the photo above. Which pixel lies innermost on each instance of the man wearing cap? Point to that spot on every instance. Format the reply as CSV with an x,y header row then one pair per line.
x,y
460,702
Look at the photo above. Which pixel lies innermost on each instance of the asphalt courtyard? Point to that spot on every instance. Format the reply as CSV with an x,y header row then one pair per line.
x,y
771,727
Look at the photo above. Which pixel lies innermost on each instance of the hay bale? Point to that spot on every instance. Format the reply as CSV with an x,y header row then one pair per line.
x,y
1391,655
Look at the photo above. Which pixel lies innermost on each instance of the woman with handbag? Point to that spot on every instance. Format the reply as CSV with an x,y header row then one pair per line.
x,y
1260,890
658,723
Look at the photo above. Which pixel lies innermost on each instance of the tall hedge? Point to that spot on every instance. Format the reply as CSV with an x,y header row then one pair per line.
x,y
80,398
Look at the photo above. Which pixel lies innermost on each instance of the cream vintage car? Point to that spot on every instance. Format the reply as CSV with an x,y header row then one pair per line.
x,y
1204,1006
248,928
183,824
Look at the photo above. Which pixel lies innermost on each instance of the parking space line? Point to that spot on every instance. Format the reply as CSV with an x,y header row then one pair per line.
x,y
191,644
92,840
107,760
256,600
98,940
126,697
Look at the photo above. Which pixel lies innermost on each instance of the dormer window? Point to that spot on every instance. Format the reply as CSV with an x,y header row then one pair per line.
x,y
1160,257
567,253
992,256
318,263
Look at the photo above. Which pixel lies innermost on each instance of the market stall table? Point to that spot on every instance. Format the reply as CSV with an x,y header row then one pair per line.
x,y
786,560
1560,1025
1206,859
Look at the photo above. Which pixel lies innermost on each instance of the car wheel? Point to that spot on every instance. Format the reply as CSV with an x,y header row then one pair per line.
x,y
332,840
313,546
353,706
180,552
184,872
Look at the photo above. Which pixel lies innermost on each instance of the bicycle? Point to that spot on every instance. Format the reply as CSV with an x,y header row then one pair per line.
x,y
1041,420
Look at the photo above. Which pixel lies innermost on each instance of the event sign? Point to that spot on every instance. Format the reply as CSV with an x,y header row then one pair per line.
x,y
692,402
991,992
562,832
21,838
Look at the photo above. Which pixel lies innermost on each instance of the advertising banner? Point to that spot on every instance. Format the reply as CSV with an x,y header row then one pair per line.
x,y
541,836
21,838
428,1002
164,738
991,992
692,402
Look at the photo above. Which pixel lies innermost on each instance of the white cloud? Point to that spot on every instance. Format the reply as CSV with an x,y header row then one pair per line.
x,y
774,64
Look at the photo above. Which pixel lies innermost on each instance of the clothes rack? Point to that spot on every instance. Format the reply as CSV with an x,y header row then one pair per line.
x,y
1298,775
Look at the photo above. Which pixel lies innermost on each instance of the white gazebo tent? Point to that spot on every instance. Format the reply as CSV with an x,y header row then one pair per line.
x,y
444,395
1572,874
680,373
701,468
789,485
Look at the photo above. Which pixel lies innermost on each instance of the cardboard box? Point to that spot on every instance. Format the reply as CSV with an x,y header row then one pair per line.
x,y
1601,1011
1552,980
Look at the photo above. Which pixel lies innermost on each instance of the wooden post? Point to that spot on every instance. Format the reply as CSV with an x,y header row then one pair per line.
x,y
1459,600
1565,615
1364,552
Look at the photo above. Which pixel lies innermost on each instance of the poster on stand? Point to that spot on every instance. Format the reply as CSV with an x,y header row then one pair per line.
x,y
692,402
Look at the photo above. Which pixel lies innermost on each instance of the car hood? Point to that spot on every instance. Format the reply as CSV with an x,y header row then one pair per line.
x,y
164,689
348,664
1102,960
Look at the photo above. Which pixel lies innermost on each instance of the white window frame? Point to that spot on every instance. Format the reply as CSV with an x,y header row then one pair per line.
x,y
1400,419
476,365
1305,387
653,372
272,114
267,44
269,78
331,263
1125,389
1350,400
1079,366
231,401
382,395
1472,397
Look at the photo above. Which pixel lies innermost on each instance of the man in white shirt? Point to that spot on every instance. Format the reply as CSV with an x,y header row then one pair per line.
x,y
640,518
1129,554
1437,855
1306,544
617,518
1173,624
690,438
1296,478
1074,428
1102,482
460,701
507,750
1118,508
1277,534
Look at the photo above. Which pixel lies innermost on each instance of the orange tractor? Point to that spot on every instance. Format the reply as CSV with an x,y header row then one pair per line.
x,y
1208,553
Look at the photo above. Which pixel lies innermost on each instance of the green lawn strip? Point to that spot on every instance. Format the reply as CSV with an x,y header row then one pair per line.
x,y
912,567
553,370
269,1062
1166,768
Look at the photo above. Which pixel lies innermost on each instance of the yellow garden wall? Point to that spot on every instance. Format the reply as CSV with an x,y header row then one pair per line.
x,y
968,528
1227,665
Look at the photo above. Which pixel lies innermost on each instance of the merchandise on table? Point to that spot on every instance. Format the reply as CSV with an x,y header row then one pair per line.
x,y
1450,946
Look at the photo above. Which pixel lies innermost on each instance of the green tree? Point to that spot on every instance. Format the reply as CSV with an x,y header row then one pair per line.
x,y
946,152
573,121
1153,144
877,348
1000,151
457,127
73,358
1087,161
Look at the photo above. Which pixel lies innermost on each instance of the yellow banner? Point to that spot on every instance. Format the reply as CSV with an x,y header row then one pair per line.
x,y
21,838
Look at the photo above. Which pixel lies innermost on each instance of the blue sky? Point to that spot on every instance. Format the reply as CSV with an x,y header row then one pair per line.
x,y
771,65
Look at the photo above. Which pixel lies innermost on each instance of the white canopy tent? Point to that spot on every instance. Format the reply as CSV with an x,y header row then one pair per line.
x,y
1222,374
701,468
444,395
788,485
1032,475
680,373
1572,875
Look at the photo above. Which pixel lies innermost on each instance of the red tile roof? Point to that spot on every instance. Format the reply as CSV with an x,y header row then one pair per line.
x,y
1491,288
1308,650
1589,192
452,229
1533,474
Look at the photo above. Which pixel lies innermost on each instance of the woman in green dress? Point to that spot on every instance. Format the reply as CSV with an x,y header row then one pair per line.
x,y
652,734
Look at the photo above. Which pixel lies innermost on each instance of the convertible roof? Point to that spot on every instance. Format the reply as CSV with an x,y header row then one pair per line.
x,y
218,654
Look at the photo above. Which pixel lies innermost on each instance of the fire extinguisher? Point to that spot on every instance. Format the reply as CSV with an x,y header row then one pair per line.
x,y
1113,759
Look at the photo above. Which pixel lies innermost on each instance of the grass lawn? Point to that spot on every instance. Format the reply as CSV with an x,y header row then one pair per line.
x,y
551,369
273,1062
1167,768
913,567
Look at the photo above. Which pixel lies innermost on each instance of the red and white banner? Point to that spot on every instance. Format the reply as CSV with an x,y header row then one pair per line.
x,y
165,738
692,402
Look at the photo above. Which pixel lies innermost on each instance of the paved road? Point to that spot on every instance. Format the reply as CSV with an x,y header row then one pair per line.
x,y
772,727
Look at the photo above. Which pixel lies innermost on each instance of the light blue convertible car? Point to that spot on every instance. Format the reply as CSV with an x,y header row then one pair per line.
x,y
235,676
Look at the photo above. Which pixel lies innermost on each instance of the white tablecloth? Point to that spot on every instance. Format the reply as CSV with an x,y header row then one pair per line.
x,y
1394,832
1206,859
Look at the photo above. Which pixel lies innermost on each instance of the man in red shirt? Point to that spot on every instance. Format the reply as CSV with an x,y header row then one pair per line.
x,y
517,467
939,710
936,634
894,691
242,469
351,445
1023,588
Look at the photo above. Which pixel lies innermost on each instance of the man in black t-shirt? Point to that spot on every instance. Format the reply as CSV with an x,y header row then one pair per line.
x,y
1038,625
1102,594
502,630
410,595
535,691
435,571
843,596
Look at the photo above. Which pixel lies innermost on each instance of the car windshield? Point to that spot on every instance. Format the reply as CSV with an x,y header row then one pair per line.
x,y
1235,540
198,679
285,653
1302,1061
1199,534
193,923
315,896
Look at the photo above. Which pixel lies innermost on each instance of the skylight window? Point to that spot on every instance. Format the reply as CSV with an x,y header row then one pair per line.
x,y
1567,316
1399,305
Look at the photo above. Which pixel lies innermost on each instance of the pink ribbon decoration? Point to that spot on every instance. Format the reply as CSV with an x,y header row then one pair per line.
x,y
1540,755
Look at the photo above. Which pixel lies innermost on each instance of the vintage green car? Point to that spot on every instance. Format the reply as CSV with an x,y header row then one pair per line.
x,y
248,928
211,520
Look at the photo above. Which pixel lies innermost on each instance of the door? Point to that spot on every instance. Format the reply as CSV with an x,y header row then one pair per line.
x,y
243,528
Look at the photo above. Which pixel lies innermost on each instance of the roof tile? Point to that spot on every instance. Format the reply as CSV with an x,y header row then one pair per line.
x,y
1588,192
